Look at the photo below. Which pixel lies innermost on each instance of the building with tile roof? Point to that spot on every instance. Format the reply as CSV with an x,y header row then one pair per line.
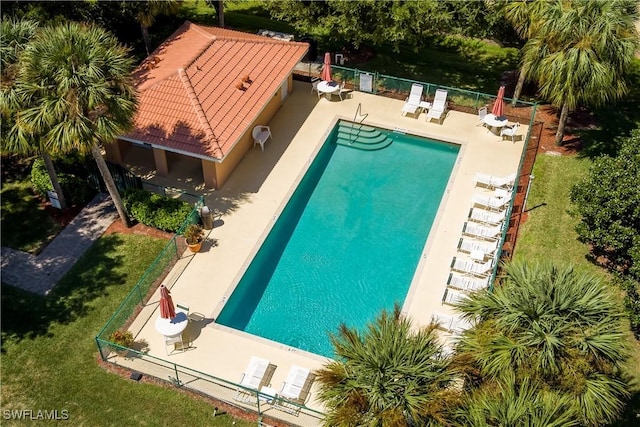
x,y
202,91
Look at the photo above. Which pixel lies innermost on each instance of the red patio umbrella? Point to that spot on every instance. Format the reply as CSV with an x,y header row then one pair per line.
x,y
326,70
167,309
498,106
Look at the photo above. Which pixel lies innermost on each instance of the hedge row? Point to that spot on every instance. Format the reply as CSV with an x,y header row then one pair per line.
x,y
76,191
156,211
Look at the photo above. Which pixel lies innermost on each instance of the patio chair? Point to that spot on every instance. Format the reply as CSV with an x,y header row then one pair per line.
x,y
481,269
260,135
467,283
439,107
510,132
412,103
491,181
493,203
295,389
176,343
314,85
482,231
452,297
257,374
487,217
482,113
341,91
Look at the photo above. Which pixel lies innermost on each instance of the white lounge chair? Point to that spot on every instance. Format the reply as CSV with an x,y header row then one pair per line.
x,y
510,132
494,203
487,217
260,135
467,283
481,269
469,245
295,389
491,181
459,325
254,377
439,107
482,231
452,297
412,103
444,321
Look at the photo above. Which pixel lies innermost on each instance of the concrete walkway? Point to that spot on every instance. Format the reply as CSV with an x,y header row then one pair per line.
x,y
40,273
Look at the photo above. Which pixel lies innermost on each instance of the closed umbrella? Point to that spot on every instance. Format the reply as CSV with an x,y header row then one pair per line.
x,y
326,70
498,107
167,309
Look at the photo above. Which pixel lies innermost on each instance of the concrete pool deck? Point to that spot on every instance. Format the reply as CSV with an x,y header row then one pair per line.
x,y
250,202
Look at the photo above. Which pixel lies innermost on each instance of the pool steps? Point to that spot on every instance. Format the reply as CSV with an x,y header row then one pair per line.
x,y
361,136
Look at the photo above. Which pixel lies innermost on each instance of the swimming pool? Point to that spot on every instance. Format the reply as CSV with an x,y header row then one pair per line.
x,y
349,240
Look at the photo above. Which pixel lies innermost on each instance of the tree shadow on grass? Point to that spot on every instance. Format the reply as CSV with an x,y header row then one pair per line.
x,y
616,120
26,315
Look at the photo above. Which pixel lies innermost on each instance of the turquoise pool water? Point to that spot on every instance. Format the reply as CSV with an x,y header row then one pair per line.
x,y
347,243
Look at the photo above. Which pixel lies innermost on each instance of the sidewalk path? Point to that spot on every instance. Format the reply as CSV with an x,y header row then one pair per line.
x,y
40,273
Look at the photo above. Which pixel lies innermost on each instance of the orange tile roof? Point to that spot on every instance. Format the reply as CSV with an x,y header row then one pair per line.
x,y
188,99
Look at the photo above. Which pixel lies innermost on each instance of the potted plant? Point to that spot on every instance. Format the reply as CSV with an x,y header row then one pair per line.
x,y
194,236
123,339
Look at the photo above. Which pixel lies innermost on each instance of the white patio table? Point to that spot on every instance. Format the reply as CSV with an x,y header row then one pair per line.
x,y
494,122
329,88
172,327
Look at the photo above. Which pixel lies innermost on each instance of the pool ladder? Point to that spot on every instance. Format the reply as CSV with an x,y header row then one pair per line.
x,y
359,113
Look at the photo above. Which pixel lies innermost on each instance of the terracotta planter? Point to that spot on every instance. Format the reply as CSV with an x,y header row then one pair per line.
x,y
195,247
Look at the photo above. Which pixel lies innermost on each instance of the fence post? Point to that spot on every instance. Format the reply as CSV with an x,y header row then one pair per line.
x,y
140,296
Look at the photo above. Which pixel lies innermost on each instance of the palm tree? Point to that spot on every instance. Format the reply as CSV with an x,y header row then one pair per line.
x,y
578,51
74,92
525,16
389,375
15,36
147,12
509,405
552,326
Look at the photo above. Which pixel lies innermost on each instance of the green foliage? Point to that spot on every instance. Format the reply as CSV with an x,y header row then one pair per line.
x,y
378,23
510,405
26,226
49,349
389,374
193,234
156,211
608,201
553,327
76,190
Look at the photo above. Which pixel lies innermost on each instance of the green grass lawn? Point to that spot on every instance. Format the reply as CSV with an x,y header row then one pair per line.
x,y
549,234
25,224
49,356
550,227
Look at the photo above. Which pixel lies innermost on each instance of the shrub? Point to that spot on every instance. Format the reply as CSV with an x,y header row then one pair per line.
x,y
607,201
156,211
122,338
77,191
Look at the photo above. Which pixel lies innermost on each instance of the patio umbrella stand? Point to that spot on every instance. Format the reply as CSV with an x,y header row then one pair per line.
x,y
498,106
167,308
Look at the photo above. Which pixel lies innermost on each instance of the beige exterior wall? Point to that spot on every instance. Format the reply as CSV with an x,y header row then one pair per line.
x,y
226,167
115,152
